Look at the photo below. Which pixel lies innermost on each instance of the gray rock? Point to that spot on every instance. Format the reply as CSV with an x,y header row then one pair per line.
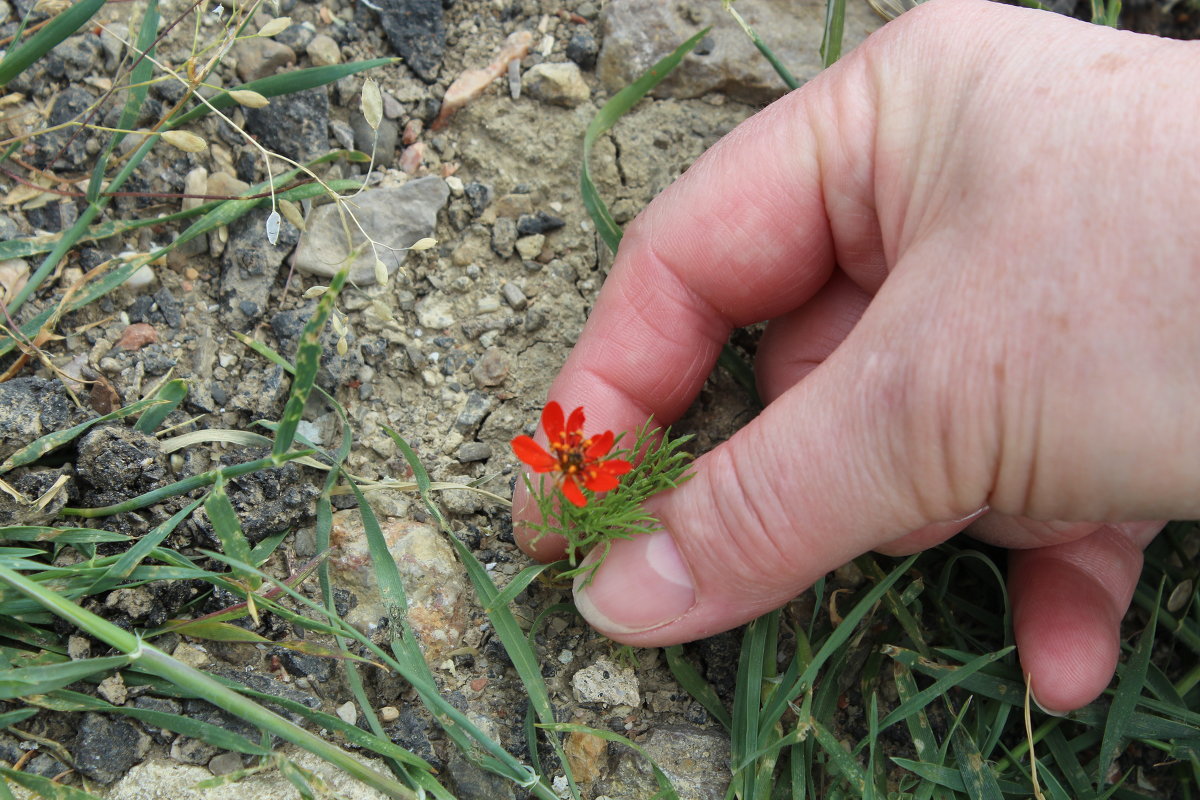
x,y
397,217
473,451
559,84
504,236
78,57
694,759
513,295
637,33
385,147
491,369
258,57
225,763
33,483
323,51
249,268
106,747
477,407
297,36
470,781
416,31
119,462
297,128
606,683
343,134
71,103
541,222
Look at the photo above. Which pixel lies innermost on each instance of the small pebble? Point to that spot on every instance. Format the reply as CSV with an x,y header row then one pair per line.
x,y
347,712
323,51
141,279
225,763
530,247
389,713
514,296
456,185
137,336
473,451
487,304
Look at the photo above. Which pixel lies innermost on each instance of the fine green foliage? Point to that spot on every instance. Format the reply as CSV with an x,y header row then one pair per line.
x,y
659,463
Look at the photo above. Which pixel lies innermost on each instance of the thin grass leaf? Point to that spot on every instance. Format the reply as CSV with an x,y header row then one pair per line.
x,y
228,529
1068,764
941,686
979,781
613,110
169,395
696,686
186,485
308,361
664,783
44,787
952,779
282,84
52,441
517,585
782,71
39,533
831,38
836,640
917,722
20,57
16,683
1133,679
845,763
755,664
128,561
135,98
14,717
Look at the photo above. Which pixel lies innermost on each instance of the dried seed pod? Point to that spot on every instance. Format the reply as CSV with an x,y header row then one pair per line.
x,y
292,213
248,98
422,244
277,25
273,227
372,103
186,141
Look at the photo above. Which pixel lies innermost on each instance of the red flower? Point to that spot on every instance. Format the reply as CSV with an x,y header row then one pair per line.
x,y
576,459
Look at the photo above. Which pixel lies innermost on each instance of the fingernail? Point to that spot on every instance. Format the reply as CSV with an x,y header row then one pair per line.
x,y
1044,710
642,584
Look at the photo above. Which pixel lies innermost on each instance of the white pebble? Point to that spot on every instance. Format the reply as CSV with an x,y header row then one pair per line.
x,y
347,712
141,279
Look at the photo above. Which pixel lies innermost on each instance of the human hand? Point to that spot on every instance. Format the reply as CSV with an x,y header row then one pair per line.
x,y
973,239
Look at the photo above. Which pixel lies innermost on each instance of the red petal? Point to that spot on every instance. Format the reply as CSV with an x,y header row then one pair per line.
x,y
600,481
575,422
552,420
573,492
532,454
616,466
600,446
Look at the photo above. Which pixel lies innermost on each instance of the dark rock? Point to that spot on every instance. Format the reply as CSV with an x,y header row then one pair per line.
x,y
249,268
303,665
154,360
32,483
260,392
73,102
115,459
385,147
106,747
8,227
267,501
297,129
78,57
31,408
335,369
411,731
541,222
158,308
416,31
582,48
470,781
53,217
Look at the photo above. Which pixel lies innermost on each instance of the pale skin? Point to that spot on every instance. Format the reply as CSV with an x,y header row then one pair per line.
x,y
974,240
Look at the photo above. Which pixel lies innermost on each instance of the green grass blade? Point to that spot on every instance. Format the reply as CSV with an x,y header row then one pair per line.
x,y
14,717
43,787
831,39
282,84
978,779
16,683
613,110
228,528
845,763
308,361
62,26
782,71
1129,690
40,533
695,685
124,566
170,395
517,585
139,87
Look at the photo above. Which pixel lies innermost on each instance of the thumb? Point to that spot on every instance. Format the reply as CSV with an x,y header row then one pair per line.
x,y
838,465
